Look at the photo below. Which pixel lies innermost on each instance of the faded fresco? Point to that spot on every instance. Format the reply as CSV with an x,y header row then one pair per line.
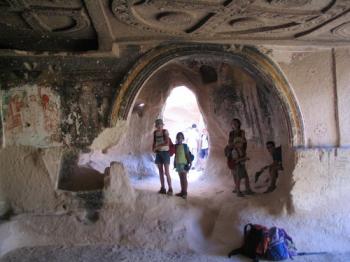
x,y
84,109
31,116
240,96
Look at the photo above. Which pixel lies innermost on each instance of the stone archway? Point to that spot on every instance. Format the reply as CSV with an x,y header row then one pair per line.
x,y
253,61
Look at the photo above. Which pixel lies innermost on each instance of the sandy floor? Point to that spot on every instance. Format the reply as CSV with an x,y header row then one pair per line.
x,y
108,253
197,183
154,227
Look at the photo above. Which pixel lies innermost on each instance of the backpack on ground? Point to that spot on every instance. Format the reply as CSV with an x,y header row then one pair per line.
x,y
255,242
261,242
280,246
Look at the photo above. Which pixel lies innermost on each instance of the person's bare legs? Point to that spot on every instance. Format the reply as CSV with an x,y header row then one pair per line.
x,y
167,174
238,186
247,185
235,190
273,175
181,182
237,181
161,175
185,183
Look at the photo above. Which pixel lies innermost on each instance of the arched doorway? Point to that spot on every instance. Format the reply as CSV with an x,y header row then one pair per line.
x,y
242,83
250,58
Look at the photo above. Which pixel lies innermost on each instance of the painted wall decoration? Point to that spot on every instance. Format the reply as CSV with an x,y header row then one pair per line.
x,y
84,112
240,96
31,116
88,106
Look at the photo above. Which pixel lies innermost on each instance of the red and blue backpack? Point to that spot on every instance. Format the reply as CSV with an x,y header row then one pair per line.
x,y
263,243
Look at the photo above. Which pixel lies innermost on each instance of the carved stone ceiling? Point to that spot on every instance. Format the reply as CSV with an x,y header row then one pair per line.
x,y
97,24
46,25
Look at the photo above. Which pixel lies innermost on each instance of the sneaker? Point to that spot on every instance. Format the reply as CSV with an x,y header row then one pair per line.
x,y
162,191
181,194
240,194
170,192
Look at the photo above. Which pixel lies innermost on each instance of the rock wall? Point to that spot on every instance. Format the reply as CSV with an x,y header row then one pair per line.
x,y
341,56
315,181
28,179
321,92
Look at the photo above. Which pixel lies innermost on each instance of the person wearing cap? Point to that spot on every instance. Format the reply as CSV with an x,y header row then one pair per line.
x,y
161,148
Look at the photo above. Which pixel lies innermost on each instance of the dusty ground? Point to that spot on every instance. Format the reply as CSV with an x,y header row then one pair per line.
x,y
205,227
108,253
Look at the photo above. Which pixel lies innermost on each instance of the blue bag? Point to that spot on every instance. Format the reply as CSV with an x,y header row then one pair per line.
x,y
188,153
280,246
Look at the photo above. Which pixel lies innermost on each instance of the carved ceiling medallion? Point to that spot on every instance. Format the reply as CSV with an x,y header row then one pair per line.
x,y
246,23
289,3
57,21
74,4
229,18
175,18
342,30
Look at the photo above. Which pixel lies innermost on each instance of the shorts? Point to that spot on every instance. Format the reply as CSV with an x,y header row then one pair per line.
x,y
180,168
162,157
203,153
239,172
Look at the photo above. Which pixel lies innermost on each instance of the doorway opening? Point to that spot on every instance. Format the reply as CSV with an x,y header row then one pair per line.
x,y
181,114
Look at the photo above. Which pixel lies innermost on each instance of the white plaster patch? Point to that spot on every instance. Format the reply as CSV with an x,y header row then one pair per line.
x,y
110,136
120,190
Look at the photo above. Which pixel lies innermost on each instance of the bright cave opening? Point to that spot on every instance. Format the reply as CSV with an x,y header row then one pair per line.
x,y
181,114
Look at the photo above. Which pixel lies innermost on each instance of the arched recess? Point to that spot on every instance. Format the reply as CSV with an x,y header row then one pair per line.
x,y
254,61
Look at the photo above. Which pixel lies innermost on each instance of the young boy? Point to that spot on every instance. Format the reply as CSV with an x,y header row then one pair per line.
x,y
161,148
274,167
182,163
239,171
276,164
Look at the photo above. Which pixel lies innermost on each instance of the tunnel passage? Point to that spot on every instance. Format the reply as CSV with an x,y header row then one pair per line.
x,y
181,114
